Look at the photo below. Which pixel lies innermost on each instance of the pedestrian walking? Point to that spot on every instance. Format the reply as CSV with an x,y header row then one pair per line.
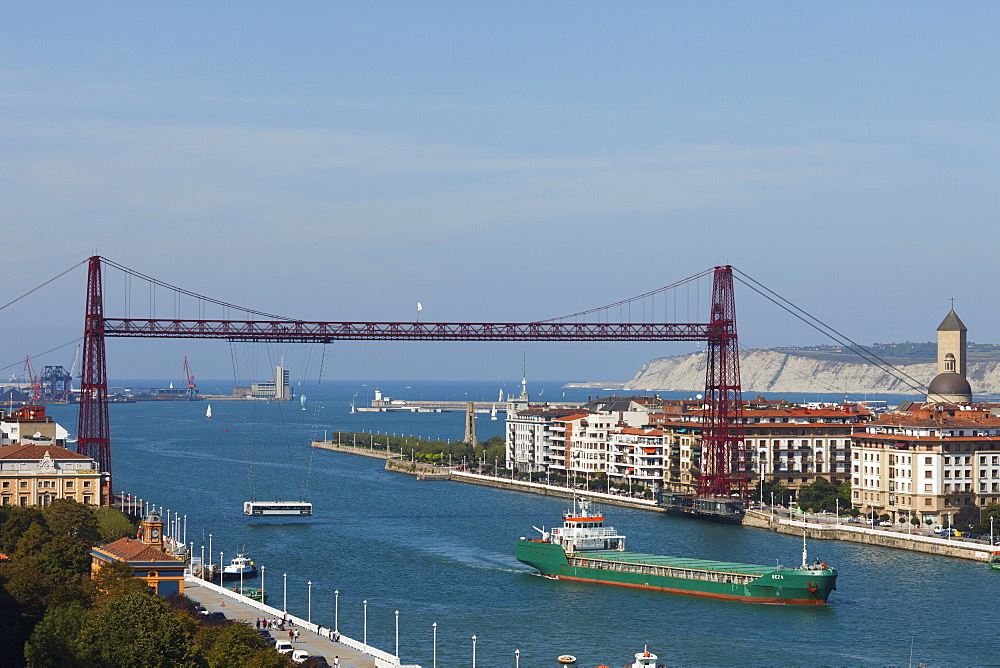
x,y
258,623
336,662
291,635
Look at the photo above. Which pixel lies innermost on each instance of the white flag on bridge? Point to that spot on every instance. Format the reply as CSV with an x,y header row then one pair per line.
x,y
420,306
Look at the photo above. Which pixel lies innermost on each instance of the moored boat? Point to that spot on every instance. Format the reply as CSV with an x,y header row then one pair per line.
x,y
584,550
240,566
254,593
995,560
644,659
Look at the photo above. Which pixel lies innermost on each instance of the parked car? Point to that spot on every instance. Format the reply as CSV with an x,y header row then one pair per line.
x,y
854,520
885,523
202,610
300,656
283,647
215,615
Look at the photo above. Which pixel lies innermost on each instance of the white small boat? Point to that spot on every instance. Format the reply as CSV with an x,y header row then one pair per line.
x,y
566,659
493,413
644,659
302,401
241,565
208,412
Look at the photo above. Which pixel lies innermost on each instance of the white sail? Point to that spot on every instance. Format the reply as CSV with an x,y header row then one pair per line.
x,y
208,413
493,413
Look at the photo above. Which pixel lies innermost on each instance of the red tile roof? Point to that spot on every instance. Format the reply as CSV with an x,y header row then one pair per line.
x,y
129,549
19,451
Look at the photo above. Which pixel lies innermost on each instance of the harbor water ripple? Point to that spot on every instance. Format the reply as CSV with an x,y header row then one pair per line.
x,y
443,552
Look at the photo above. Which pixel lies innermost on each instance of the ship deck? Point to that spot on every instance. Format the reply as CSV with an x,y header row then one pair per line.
x,y
755,570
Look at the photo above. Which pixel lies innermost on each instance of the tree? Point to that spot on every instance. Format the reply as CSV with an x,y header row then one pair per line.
x,y
234,646
772,486
66,517
991,510
967,516
14,522
822,494
135,628
113,524
52,641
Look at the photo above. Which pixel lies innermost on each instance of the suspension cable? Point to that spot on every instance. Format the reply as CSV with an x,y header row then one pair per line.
x,y
632,299
39,287
217,302
825,329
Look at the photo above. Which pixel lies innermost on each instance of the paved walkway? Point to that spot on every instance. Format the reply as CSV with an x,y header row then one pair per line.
x,y
309,641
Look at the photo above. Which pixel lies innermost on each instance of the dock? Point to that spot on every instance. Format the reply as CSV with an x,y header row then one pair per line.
x,y
313,638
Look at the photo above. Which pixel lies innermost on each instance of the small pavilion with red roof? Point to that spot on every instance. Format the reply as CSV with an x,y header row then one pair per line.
x,y
162,571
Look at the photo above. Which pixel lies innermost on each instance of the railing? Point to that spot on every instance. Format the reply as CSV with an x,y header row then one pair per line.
x,y
382,659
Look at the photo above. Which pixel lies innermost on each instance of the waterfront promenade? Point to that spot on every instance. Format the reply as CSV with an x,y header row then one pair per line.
x,y
821,527
315,640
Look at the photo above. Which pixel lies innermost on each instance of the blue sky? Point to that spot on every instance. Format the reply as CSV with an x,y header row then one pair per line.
x,y
500,162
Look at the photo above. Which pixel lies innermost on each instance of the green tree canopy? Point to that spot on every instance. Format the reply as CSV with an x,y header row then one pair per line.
x,y
51,644
135,628
822,494
780,491
113,524
234,646
73,520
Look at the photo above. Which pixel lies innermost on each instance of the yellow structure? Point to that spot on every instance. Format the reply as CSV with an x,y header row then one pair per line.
x,y
163,572
35,475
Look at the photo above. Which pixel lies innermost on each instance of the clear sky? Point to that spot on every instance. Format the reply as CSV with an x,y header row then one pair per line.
x,y
508,161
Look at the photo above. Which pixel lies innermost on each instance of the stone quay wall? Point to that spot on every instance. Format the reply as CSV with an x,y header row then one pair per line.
x,y
869,536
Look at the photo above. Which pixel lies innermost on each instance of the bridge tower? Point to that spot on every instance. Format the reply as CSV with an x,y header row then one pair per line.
x,y
94,434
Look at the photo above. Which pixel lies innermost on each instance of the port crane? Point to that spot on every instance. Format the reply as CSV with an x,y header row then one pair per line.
x,y
32,380
192,390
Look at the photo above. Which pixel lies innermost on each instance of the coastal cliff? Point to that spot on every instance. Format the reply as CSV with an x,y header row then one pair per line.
x,y
787,371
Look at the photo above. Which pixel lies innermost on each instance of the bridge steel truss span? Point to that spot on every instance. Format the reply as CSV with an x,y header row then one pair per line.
x,y
723,463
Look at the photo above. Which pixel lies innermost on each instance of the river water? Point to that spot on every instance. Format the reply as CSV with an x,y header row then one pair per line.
x,y
443,552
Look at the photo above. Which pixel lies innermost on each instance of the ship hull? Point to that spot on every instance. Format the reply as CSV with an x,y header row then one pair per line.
x,y
753,584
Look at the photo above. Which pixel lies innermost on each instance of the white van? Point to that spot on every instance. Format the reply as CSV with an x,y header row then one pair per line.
x,y
283,647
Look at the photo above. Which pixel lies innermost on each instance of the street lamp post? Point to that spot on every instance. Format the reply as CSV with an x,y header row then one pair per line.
x,y
365,603
435,625
262,585
284,593
517,658
203,562
397,635
185,530
220,567
210,553
336,610
473,651
309,608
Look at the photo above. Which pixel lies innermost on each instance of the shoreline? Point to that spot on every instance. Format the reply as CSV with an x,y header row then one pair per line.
x,y
753,518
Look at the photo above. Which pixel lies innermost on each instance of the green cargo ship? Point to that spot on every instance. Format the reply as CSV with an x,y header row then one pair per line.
x,y
584,550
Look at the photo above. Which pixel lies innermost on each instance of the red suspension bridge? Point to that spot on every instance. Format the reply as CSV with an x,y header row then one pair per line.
x,y
723,467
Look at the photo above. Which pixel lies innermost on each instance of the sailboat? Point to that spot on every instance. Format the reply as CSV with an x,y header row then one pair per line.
x,y
208,413
493,412
302,401
353,409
